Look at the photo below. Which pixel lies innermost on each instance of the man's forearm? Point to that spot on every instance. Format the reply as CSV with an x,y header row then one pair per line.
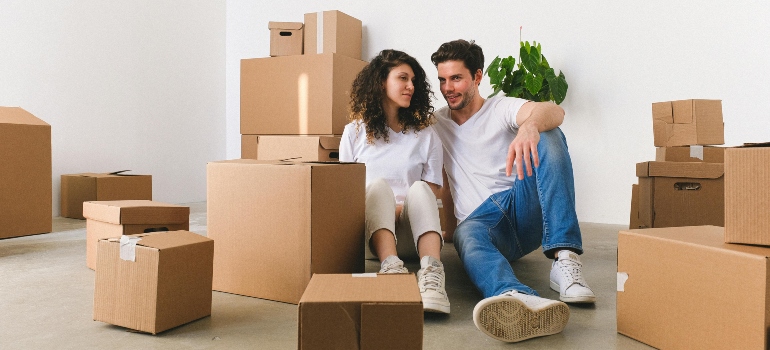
x,y
543,116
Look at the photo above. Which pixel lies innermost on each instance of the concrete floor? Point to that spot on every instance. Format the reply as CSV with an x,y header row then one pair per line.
x,y
46,302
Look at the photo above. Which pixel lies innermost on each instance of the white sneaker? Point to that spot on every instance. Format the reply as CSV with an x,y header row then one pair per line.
x,y
431,280
514,316
393,264
567,279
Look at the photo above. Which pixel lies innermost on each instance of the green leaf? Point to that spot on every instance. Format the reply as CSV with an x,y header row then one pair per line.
x,y
558,87
508,63
530,60
533,83
493,67
497,90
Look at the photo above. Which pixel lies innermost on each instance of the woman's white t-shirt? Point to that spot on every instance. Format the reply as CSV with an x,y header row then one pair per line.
x,y
404,159
475,152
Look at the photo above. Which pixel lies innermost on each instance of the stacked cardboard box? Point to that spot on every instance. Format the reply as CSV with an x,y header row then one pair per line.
x,y
684,186
79,188
302,92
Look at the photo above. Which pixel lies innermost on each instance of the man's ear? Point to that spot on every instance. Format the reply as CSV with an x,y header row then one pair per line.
x,y
478,76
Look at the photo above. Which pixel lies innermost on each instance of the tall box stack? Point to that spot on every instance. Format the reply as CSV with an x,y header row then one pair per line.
x,y
306,101
25,174
684,186
277,223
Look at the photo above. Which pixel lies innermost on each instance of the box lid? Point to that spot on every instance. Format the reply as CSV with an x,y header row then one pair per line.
x,y
285,25
166,239
696,170
365,288
706,236
17,115
330,142
103,175
135,212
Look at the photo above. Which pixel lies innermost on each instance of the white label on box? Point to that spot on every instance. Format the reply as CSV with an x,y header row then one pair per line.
x,y
128,247
372,274
696,152
622,278
319,30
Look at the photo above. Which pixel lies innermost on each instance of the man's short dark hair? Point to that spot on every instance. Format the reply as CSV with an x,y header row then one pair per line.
x,y
460,50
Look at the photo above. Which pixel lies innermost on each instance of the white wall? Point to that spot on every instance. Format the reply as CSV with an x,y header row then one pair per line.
x,y
618,57
134,85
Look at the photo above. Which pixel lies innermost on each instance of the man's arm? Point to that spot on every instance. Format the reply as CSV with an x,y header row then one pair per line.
x,y
533,118
450,222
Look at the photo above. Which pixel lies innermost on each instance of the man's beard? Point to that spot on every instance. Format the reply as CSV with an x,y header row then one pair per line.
x,y
467,98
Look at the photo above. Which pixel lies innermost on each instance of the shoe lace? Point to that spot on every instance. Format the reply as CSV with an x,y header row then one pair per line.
x,y
572,271
396,267
431,278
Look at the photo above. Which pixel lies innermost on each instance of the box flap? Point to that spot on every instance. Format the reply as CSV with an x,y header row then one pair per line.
x,y
696,170
17,115
755,144
330,142
103,175
383,288
166,239
662,111
135,212
683,111
705,236
285,25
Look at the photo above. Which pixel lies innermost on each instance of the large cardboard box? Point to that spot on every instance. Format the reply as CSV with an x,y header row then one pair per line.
x,y
25,174
108,219
684,288
158,282
278,223
368,311
680,194
285,38
299,148
79,188
690,154
306,94
747,194
333,32
688,122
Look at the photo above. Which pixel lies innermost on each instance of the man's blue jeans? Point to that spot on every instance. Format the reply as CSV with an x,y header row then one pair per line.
x,y
537,211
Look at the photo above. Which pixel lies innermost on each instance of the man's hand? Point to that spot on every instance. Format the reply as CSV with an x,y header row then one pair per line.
x,y
522,147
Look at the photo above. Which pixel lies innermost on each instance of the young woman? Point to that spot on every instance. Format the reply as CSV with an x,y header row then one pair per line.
x,y
391,133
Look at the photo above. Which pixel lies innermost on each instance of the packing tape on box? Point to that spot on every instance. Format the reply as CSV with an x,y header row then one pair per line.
x,y
622,278
319,32
696,152
371,274
128,247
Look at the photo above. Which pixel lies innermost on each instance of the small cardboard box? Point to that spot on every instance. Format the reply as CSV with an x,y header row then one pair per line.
x,y
634,221
278,223
747,195
367,311
25,174
688,122
680,194
684,288
285,38
109,219
333,32
299,148
166,284
690,154
85,187
307,94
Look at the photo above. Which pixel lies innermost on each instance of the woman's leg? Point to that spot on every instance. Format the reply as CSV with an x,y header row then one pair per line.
x,y
380,219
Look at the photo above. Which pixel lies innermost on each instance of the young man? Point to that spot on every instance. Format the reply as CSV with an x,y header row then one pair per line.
x,y
502,218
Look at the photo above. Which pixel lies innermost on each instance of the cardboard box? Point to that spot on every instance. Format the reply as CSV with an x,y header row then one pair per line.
x,y
333,32
634,221
368,311
299,148
688,122
747,196
167,284
306,95
680,194
85,187
690,154
109,219
285,38
684,288
278,223
25,174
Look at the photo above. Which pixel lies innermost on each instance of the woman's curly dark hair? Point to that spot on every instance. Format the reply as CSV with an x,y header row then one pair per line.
x,y
367,93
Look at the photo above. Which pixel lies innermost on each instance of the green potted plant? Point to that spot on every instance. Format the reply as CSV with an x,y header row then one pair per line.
x,y
532,79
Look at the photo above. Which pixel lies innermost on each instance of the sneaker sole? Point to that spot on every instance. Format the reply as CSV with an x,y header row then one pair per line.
x,y
510,320
580,299
435,308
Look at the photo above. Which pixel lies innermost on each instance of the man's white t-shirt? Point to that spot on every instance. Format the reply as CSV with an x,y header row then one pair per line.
x,y
475,152
404,159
